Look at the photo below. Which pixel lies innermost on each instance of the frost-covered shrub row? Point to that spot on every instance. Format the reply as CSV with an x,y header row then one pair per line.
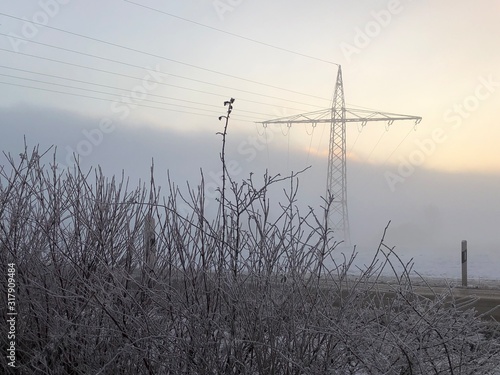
x,y
113,280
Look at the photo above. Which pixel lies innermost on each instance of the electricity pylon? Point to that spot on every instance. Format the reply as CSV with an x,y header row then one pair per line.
x,y
338,116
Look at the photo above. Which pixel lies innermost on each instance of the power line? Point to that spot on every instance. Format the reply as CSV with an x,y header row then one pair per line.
x,y
140,67
157,56
187,64
141,78
400,143
96,84
321,138
233,34
107,86
109,100
376,144
310,142
107,93
354,144
171,60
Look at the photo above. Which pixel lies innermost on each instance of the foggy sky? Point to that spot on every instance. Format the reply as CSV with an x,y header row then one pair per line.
x,y
431,212
126,84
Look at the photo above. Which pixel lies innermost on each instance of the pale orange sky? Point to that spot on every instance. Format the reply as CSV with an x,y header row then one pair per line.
x,y
421,58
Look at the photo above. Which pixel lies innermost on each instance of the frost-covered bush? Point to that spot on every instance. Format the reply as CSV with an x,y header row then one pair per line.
x,y
113,280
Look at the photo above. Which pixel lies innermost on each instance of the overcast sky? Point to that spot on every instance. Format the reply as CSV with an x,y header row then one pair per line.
x,y
122,82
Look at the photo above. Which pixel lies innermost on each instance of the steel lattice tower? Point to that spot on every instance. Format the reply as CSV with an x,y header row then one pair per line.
x,y
336,178
338,116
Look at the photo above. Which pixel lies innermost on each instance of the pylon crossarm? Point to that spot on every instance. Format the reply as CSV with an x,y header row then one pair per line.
x,y
310,117
363,116
352,115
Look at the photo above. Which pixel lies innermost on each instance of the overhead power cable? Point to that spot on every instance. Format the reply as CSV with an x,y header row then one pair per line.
x,y
232,34
111,94
354,144
170,74
106,86
160,57
109,100
400,143
139,78
376,144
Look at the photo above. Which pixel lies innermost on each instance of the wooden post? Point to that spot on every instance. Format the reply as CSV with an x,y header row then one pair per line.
x,y
464,263
149,254
149,242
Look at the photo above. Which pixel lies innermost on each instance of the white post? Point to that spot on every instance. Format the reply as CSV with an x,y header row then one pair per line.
x,y
464,263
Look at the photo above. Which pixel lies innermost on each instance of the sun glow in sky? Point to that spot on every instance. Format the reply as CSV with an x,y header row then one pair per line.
x,y
435,60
